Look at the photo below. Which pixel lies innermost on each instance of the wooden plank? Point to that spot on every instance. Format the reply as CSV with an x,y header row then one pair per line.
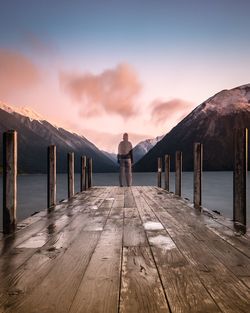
x,y
18,250
184,291
129,201
134,234
235,299
141,289
229,255
20,283
36,223
218,225
56,291
99,289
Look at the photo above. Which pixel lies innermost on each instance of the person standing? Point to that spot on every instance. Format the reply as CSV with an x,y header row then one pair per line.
x,y
125,159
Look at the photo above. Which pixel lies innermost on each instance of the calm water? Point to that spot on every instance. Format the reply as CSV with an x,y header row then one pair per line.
x,y
217,190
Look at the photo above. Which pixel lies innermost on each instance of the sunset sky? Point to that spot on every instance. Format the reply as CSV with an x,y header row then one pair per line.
x,y
103,67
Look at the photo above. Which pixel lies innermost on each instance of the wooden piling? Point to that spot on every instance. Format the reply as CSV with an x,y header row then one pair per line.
x,y
71,178
198,160
159,171
167,172
51,182
9,181
90,172
240,175
178,172
83,173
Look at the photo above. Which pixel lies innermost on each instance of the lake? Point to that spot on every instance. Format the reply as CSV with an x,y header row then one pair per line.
x,y
217,190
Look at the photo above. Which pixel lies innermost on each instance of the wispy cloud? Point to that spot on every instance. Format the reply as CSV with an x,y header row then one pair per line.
x,y
164,111
114,91
17,72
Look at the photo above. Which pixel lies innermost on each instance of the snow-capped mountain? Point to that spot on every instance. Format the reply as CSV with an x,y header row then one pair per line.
x,y
35,134
144,146
212,124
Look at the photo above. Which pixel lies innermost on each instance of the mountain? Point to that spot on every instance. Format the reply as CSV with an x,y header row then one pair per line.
x,y
212,124
35,134
110,155
143,147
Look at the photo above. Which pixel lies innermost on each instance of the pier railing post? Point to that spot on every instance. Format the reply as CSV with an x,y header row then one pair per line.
x,y
83,173
178,172
198,158
167,171
71,171
9,181
240,175
90,172
159,171
51,182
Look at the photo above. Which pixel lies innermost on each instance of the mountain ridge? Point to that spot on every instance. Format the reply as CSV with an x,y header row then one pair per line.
x,y
210,123
35,134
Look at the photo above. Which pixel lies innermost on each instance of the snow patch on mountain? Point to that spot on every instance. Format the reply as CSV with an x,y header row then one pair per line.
x,y
32,116
229,101
25,111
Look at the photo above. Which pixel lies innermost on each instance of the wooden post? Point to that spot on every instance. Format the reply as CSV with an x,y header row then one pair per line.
x,y
83,173
167,171
71,178
89,172
198,160
159,170
9,181
240,175
51,182
178,172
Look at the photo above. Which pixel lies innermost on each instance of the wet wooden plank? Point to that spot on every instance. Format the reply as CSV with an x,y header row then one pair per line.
x,y
214,275
170,253
56,291
134,234
219,225
19,249
20,283
100,286
183,288
40,221
231,257
129,201
141,289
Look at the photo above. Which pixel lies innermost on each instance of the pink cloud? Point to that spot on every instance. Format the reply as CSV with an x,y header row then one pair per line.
x,y
169,110
17,72
112,91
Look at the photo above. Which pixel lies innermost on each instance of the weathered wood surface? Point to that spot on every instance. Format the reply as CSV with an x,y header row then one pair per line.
x,y
51,183
112,249
240,175
9,181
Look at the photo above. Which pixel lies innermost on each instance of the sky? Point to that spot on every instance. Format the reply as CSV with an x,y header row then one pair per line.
x,y
102,68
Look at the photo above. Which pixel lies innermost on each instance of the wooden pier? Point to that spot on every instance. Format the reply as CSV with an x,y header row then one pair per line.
x,y
129,250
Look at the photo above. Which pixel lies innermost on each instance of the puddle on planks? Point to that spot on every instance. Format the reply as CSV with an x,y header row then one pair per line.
x,y
153,226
